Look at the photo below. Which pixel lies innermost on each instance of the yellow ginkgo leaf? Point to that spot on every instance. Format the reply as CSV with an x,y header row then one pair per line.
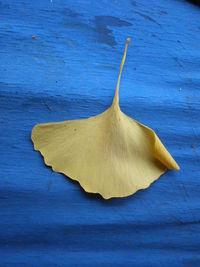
x,y
110,154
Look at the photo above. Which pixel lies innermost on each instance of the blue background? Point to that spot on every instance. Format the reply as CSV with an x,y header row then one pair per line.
x,y
69,71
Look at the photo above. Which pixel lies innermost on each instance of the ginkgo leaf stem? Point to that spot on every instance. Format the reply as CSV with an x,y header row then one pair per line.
x,y
116,96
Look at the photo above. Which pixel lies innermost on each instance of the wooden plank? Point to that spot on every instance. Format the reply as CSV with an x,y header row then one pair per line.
x,y
59,60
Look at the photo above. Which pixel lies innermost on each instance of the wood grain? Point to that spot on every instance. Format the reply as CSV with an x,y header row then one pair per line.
x,y
60,60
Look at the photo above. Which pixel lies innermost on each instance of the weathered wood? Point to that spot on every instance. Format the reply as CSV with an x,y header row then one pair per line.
x,y
60,60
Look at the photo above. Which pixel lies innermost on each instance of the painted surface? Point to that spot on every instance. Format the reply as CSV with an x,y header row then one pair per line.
x,y
60,60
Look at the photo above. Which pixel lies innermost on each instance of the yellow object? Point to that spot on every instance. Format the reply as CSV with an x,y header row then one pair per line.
x,y
110,154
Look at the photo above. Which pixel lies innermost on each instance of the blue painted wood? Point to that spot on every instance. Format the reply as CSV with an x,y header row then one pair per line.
x,y
60,60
